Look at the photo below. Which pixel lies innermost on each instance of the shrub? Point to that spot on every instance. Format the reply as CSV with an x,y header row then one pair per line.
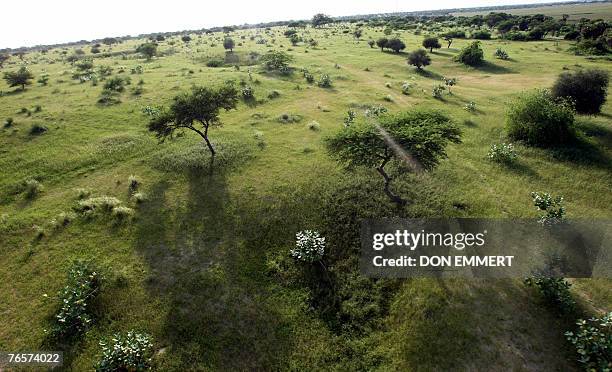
x,y
109,98
470,106
74,315
274,94
130,352
276,61
349,118
139,197
121,213
247,93
9,122
309,78
314,126
63,219
83,193
553,208
481,35
437,91
309,246
37,129
115,84
586,88
593,342
133,183
501,54
325,81
375,111
32,188
100,203
406,86
502,153
555,291
471,55
289,118
215,63
538,119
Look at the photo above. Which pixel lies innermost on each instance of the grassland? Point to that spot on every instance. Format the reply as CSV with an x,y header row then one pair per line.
x,y
192,268
575,11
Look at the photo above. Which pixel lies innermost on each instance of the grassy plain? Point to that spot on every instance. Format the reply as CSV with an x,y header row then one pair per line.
x,y
575,11
191,268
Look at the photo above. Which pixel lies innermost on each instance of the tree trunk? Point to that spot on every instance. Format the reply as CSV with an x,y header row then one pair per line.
x,y
394,198
430,50
205,136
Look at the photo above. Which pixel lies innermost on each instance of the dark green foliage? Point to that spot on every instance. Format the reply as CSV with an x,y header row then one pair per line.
x,y
21,77
186,38
431,43
587,89
539,119
419,58
382,43
37,129
396,45
599,46
215,62
321,19
555,291
115,84
148,50
201,105
593,342
481,35
535,34
471,55
229,43
74,314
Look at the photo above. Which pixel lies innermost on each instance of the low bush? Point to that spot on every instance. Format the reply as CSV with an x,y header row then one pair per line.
x,y
501,54
74,314
38,129
552,209
481,35
32,188
539,119
289,118
325,81
121,213
502,153
98,204
314,126
215,63
593,342
130,352
471,55
309,246
555,291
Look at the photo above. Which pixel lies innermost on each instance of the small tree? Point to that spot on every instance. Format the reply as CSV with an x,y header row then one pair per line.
x,y
431,43
371,43
186,38
586,88
321,19
382,43
419,58
471,55
449,40
148,50
357,33
396,45
228,43
21,77
201,105
414,138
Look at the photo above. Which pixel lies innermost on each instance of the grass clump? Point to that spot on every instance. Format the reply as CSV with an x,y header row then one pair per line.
x,y
121,213
314,126
133,183
32,188
98,204
74,314
287,118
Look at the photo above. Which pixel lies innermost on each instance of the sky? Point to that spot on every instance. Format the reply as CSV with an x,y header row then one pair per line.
x,y
57,21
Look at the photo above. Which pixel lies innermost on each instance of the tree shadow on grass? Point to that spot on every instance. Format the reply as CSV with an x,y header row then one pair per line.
x,y
583,152
520,168
428,74
491,68
217,320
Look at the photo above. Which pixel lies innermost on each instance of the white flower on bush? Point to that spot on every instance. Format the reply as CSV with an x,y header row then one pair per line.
x,y
502,153
553,208
309,246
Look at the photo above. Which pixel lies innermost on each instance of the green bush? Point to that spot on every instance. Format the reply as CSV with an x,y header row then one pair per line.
x,y
32,188
481,35
593,343
553,208
587,89
539,119
502,153
74,314
130,352
325,81
471,55
555,291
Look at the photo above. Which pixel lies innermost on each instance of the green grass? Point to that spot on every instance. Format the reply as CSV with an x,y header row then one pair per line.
x,y
575,11
191,267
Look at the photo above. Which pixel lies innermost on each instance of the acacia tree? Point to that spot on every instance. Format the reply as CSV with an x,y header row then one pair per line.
x,y
228,43
321,19
21,77
200,106
413,139
431,43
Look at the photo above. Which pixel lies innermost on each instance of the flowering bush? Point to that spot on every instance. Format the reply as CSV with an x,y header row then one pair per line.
x,y
437,91
325,81
553,208
309,246
131,352
501,54
74,315
247,93
502,153
376,110
470,106
593,342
